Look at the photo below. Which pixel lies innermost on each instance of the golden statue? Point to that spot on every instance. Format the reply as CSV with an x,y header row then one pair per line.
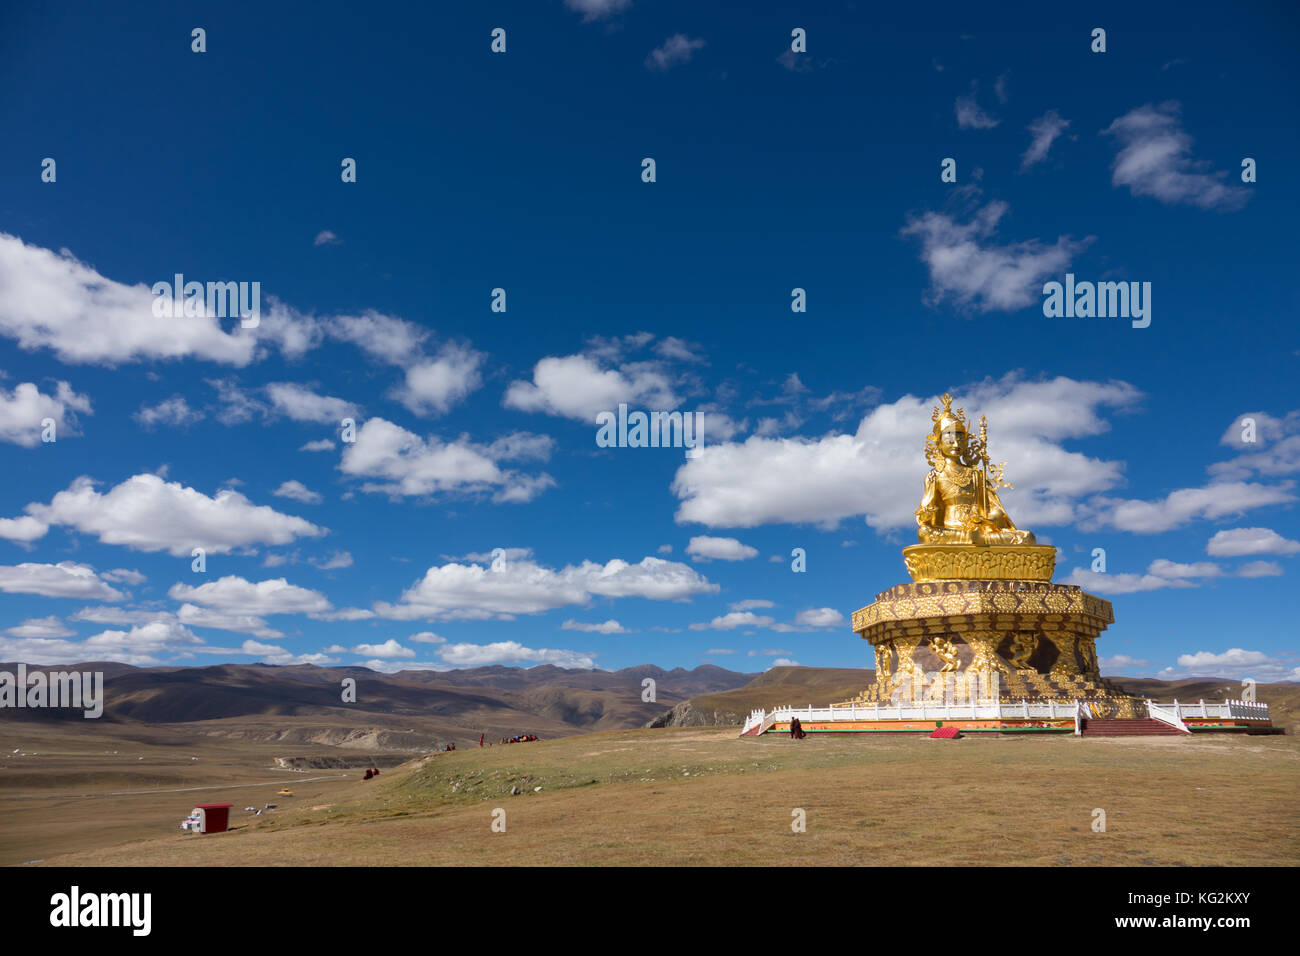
x,y
961,503
981,609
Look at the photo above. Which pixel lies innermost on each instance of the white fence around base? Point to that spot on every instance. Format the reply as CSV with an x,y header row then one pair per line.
x,y
1173,714
979,710
1238,709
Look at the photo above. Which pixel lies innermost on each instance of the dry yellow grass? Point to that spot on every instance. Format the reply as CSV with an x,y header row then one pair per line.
x,y
703,796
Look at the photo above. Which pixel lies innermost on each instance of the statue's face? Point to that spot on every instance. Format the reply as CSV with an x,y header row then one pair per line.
x,y
952,441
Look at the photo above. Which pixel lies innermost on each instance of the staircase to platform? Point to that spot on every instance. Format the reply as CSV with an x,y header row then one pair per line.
x,y
1120,727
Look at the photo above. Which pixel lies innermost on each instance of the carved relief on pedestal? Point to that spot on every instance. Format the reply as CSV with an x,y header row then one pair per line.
x,y
1066,665
1088,651
884,660
1023,646
903,673
984,648
946,651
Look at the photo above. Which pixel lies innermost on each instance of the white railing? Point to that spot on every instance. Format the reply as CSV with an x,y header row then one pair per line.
x,y
1168,714
1237,709
1172,714
918,710
1244,709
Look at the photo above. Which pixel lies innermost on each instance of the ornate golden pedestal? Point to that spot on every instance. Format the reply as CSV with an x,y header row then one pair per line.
x,y
939,562
1008,640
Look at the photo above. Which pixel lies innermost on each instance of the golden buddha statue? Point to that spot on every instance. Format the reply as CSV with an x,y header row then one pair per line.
x,y
961,503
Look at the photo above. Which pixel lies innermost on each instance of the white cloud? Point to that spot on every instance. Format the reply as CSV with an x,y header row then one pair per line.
x,y
1000,87
597,9
46,627
819,617
298,492
124,576
411,465
149,514
65,579
671,347
387,338
967,267
236,594
578,387
274,654
784,662
512,652
878,471
1265,430
1235,663
1045,130
1120,661
1235,542
1259,569
1235,657
969,113
1171,569
705,548
54,301
237,406
487,557
119,615
395,667
140,646
753,604
427,637
174,411
336,561
1125,583
24,410
735,619
233,603
434,385
388,650
607,627
303,405
153,638
23,529
321,444
326,238
192,615
457,591
346,614
1155,160
676,50
1216,500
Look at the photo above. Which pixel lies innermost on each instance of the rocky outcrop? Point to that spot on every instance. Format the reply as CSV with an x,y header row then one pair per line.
x,y
685,715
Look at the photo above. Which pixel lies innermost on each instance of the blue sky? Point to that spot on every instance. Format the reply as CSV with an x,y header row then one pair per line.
x,y
475,429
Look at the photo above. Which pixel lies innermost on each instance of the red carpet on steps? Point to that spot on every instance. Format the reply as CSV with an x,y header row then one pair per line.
x,y
1139,727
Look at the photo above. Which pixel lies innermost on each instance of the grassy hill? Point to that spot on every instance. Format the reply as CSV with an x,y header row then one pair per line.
x,y
691,796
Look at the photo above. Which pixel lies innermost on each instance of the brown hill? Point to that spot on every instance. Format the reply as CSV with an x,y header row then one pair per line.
x,y
408,710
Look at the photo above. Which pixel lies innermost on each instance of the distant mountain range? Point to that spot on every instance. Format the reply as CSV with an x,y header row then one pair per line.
x,y
414,709
421,710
